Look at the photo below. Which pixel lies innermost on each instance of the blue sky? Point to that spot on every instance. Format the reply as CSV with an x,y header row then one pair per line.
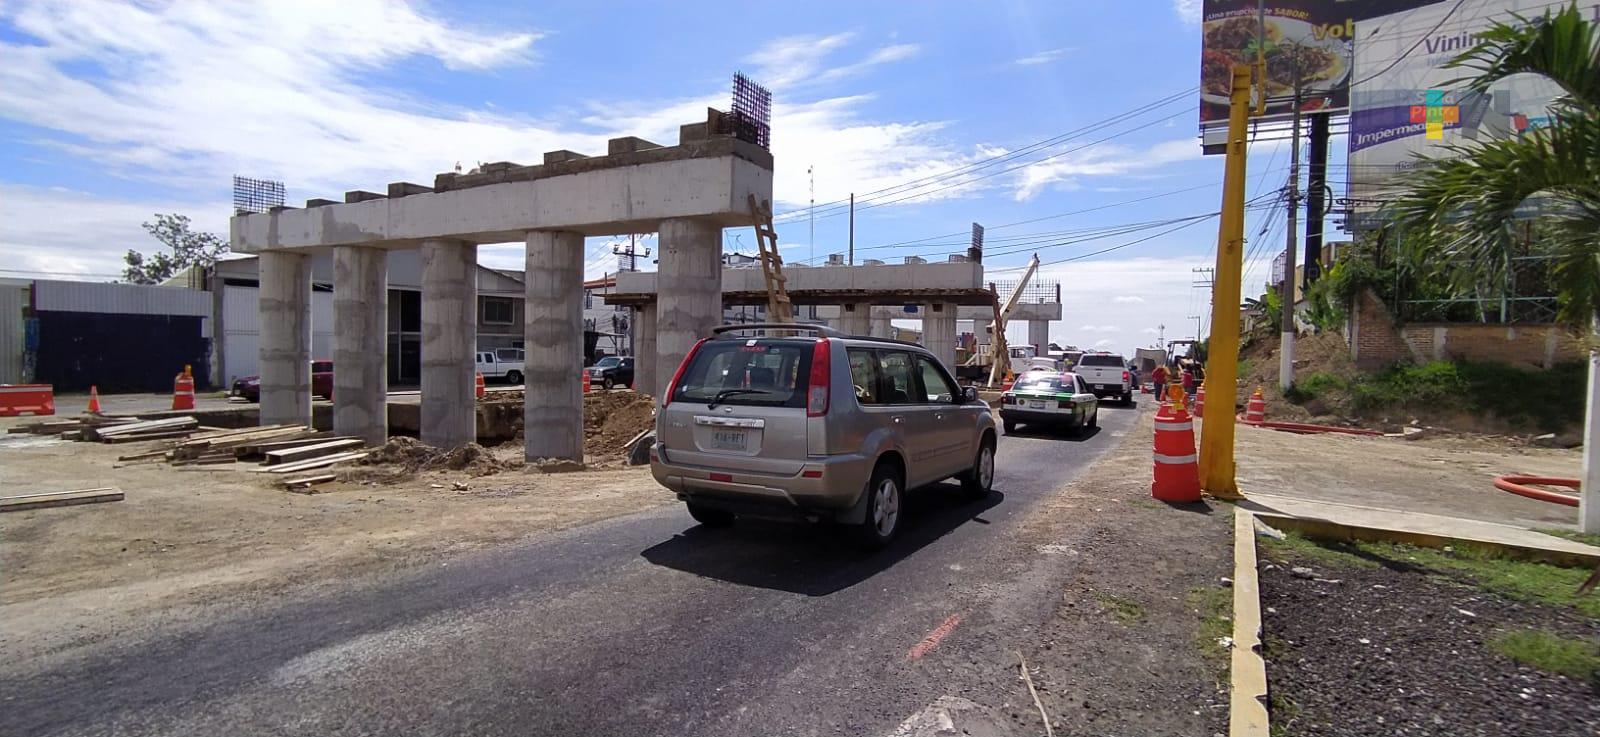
x,y
109,113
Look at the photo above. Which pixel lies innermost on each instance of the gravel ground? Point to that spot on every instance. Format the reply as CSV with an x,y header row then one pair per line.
x,y
1367,651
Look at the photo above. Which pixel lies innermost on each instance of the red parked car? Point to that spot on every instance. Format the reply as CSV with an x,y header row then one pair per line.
x,y
249,387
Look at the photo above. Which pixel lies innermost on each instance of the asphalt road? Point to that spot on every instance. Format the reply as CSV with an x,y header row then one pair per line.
x,y
642,625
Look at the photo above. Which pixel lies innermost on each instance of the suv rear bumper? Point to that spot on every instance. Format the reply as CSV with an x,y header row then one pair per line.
x,y
834,487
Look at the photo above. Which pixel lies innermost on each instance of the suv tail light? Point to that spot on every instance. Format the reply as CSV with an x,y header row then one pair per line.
x,y
677,376
1126,377
821,374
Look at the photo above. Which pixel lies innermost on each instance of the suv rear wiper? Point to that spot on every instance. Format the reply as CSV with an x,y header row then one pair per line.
x,y
725,393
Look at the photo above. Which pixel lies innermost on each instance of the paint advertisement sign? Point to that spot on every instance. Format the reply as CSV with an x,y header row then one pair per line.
x,y
1406,106
1307,43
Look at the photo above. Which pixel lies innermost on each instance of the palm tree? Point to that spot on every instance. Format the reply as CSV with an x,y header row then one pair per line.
x,y
1466,205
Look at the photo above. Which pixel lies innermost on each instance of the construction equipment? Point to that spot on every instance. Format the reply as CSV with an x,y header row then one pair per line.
x,y
779,308
999,353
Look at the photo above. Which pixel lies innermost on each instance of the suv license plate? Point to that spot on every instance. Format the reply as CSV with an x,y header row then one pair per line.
x,y
728,440
1102,386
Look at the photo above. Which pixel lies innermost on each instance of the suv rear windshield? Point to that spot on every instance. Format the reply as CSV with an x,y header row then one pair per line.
x,y
766,373
1102,360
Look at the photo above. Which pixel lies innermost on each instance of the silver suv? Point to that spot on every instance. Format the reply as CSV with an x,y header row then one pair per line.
x,y
821,426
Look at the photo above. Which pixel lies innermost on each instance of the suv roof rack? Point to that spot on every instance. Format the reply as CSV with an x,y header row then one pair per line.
x,y
824,330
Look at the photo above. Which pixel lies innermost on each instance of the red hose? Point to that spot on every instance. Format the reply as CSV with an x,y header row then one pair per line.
x,y
1514,484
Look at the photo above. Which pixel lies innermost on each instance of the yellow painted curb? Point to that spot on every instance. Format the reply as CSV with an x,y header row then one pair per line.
x,y
1247,711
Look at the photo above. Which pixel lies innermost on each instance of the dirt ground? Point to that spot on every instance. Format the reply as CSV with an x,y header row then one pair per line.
x,y
202,536
1381,648
1445,475
1127,651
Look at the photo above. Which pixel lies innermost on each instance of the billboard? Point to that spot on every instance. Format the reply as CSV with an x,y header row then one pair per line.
x,y
1406,106
1311,37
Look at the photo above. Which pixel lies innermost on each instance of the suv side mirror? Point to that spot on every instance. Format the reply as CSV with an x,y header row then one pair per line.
x,y
969,394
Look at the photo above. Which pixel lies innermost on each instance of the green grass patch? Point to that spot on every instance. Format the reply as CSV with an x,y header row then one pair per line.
x,y
1541,400
1484,568
1547,651
1296,548
1574,535
1126,611
1214,606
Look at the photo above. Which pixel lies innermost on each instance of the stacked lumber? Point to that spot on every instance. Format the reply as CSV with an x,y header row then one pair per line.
x,y
38,500
129,432
70,428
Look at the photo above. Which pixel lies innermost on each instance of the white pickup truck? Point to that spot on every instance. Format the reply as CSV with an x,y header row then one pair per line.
x,y
1107,375
501,363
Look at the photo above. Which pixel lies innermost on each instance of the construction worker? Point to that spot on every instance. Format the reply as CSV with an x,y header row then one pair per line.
x,y
1188,379
1158,378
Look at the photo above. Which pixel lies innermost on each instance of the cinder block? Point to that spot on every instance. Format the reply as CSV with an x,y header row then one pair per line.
x,y
401,189
556,157
445,182
628,145
318,202
361,195
497,167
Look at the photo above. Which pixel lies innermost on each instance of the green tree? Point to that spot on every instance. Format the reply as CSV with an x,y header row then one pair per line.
x,y
1464,209
189,248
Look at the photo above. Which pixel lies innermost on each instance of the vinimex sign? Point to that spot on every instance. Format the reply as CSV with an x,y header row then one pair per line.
x,y
1306,44
1406,106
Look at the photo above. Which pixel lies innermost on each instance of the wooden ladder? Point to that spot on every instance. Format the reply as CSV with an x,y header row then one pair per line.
x,y
779,307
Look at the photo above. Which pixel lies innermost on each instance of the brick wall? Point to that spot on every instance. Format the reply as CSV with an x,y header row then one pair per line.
x,y
1375,341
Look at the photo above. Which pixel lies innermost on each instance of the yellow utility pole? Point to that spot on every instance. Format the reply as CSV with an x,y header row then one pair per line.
x,y
1222,355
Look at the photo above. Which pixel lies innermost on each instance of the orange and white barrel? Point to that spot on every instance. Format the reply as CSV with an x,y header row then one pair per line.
x,y
1177,467
183,390
1255,411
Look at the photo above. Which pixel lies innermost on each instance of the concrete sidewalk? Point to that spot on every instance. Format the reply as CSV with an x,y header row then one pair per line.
x,y
1419,526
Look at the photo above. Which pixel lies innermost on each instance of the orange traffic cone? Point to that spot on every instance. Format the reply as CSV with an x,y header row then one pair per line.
x,y
1177,469
478,385
183,390
1200,401
94,400
585,380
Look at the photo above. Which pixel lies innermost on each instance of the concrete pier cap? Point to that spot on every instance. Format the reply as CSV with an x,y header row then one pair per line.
x,y
688,193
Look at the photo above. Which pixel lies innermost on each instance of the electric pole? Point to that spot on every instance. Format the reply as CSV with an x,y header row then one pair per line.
x,y
1286,331
812,217
852,229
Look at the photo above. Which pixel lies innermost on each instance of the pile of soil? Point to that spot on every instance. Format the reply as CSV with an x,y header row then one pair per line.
x,y
611,419
405,456
1365,651
1324,352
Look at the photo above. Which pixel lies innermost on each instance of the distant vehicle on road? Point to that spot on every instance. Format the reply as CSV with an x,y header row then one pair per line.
x,y
249,387
1107,375
1052,399
820,426
501,363
612,371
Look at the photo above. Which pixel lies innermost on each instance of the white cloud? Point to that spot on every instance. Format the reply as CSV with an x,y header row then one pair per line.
x,y
1188,10
184,95
1100,329
1150,331
1128,299
1104,343
65,233
1103,160
1043,57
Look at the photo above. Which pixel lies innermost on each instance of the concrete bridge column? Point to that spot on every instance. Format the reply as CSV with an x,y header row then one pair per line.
x,y
285,300
856,319
880,327
645,370
360,343
1039,335
688,289
939,331
552,411
449,340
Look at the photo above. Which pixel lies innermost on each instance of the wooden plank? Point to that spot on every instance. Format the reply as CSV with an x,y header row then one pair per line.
x,y
185,423
305,484
59,498
144,455
218,434
313,463
292,455
162,435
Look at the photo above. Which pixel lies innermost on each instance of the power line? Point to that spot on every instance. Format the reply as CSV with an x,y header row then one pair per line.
x,y
1414,46
1007,155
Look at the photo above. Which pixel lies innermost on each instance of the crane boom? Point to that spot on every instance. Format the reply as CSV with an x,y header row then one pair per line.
x,y
999,353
